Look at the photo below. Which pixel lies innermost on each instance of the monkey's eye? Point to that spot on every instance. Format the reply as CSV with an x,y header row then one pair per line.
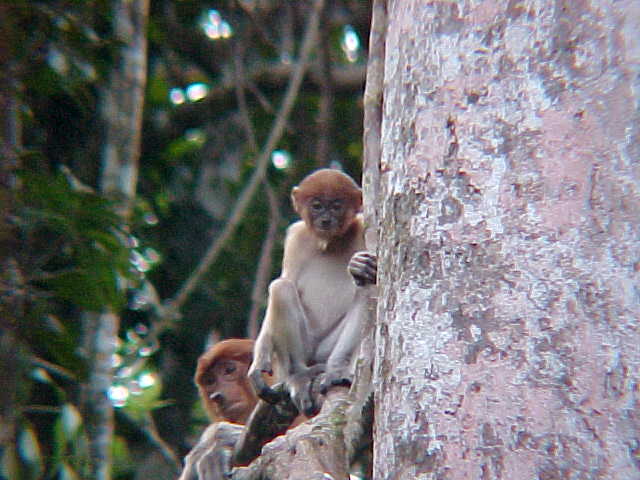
x,y
316,206
228,369
337,206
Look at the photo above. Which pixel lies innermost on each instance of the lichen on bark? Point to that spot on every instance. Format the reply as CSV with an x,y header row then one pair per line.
x,y
506,343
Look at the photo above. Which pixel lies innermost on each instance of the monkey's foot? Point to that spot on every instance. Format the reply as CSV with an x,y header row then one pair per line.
x,y
334,380
256,379
303,394
270,395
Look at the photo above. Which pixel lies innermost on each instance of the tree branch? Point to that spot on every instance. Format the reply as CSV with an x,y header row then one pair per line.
x,y
309,41
264,263
325,107
150,430
121,104
373,98
263,270
313,450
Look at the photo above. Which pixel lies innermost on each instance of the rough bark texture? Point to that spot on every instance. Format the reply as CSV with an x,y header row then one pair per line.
x,y
312,451
507,337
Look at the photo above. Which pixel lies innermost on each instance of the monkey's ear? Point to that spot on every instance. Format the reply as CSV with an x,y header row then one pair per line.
x,y
294,192
359,201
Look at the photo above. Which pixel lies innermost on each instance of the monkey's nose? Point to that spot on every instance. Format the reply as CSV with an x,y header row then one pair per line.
x,y
325,224
217,397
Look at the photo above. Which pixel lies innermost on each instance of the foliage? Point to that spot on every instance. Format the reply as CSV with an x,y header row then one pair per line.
x,y
94,249
66,249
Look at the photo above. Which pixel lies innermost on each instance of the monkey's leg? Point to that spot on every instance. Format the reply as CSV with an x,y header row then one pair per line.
x,y
340,361
292,344
282,334
262,363
302,392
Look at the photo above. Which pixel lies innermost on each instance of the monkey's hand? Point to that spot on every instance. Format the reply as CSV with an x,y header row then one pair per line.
x,y
336,377
261,388
211,456
363,267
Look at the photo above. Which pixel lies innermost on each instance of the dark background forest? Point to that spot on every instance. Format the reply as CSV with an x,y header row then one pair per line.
x,y
216,76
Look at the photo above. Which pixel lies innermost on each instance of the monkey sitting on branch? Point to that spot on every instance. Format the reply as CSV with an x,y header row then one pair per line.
x,y
315,312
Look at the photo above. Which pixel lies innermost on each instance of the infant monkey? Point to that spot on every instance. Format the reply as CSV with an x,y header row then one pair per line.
x,y
315,311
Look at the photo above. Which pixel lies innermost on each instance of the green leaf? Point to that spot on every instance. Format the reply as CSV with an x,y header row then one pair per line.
x,y
122,461
91,290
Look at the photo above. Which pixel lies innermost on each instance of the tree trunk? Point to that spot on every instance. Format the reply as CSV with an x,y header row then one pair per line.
x,y
12,356
122,102
121,111
509,238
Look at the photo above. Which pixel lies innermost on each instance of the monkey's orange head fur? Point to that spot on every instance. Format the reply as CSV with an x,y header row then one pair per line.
x,y
221,377
327,184
235,349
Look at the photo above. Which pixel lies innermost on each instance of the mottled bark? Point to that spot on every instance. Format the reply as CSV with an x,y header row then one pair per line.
x,y
508,333
99,334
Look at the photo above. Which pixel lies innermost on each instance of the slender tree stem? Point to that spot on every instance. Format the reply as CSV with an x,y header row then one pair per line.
x,y
309,41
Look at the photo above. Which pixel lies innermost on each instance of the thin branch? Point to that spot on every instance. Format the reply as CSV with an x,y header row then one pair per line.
x,y
238,58
261,97
309,41
150,430
258,22
287,27
55,369
325,107
264,263
373,102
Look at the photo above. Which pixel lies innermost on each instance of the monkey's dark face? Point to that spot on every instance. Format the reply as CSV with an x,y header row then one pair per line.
x,y
328,217
226,391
